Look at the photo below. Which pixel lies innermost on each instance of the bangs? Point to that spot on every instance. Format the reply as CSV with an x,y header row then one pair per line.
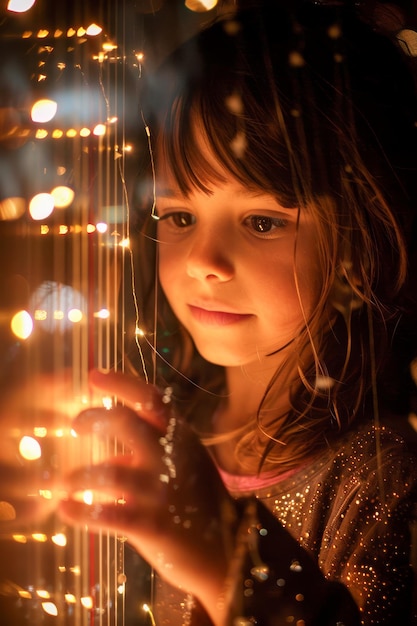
x,y
234,146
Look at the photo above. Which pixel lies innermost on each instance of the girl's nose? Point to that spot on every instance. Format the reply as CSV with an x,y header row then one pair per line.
x,y
211,259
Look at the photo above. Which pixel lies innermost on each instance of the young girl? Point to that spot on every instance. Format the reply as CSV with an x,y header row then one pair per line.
x,y
262,485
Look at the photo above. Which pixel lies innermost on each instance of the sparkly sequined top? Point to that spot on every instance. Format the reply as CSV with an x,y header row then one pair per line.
x,y
351,510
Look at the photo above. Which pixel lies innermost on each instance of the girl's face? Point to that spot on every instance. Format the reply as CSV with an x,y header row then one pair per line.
x,y
237,270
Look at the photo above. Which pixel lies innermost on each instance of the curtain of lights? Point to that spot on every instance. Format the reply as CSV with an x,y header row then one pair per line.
x,y
69,122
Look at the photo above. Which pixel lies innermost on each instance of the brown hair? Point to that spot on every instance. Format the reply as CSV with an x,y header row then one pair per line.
x,y
315,108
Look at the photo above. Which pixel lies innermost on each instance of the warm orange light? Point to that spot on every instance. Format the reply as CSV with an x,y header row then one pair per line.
x,y
50,608
63,196
41,206
43,110
200,5
20,6
93,30
30,449
99,130
75,316
101,227
22,324
59,539
87,602
12,208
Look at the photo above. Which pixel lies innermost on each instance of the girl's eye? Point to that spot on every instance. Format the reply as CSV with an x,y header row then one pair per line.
x,y
179,219
264,225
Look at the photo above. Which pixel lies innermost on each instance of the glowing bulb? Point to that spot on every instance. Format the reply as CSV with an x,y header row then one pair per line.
x,y
81,32
107,402
50,608
44,110
200,6
102,227
148,610
42,538
87,602
93,30
90,228
22,324
20,6
30,449
99,130
103,314
57,133
20,538
70,598
85,132
41,206
42,593
40,431
125,243
25,594
88,497
45,493
75,315
59,539
62,196
41,133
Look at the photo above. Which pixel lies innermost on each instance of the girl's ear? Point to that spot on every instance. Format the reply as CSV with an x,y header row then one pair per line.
x,y
346,293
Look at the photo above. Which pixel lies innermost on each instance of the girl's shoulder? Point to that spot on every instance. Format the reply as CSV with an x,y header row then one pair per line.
x,y
371,457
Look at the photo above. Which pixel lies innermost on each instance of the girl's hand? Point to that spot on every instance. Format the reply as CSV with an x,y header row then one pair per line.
x,y
163,492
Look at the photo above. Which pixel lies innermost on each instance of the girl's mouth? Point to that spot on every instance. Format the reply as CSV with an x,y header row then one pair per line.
x,y
216,318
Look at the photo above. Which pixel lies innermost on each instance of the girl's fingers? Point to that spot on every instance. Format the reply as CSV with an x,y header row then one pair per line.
x,y
125,519
114,483
143,398
123,425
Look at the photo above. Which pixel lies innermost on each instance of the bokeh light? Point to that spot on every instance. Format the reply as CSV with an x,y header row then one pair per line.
x,y
22,324
43,110
41,206
30,449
